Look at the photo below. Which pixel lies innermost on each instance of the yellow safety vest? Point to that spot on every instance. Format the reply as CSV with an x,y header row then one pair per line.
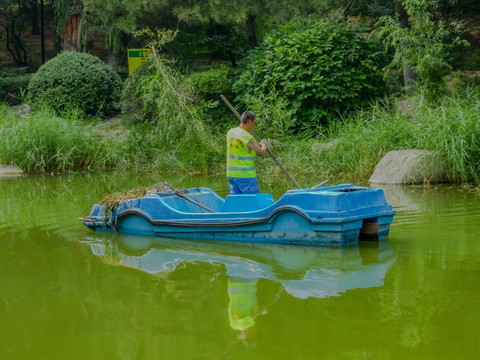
x,y
243,307
240,161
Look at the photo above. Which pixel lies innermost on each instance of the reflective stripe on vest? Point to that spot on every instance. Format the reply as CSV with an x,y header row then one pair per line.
x,y
240,161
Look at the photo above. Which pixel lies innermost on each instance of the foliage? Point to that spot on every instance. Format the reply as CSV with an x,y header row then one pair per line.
x,y
172,116
75,81
116,18
209,41
321,69
12,89
452,131
211,83
45,143
425,46
274,118
372,8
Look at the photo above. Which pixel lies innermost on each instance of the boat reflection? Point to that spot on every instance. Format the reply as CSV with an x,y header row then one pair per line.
x,y
303,271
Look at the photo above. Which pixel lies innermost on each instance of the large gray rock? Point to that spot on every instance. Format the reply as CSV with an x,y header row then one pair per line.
x,y
10,171
408,167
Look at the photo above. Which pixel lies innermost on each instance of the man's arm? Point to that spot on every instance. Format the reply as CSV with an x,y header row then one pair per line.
x,y
260,151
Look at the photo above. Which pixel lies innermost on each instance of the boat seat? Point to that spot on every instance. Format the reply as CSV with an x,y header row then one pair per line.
x,y
247,202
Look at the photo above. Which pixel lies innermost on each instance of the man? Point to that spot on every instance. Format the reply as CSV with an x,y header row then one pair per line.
x,y
241,151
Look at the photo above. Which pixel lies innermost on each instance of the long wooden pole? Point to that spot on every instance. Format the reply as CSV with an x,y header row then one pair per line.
x,y
258,140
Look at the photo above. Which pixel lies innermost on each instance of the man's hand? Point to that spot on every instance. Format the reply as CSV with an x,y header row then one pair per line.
x,y
266,142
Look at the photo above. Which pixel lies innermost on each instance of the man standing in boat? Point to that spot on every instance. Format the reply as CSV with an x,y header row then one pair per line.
x,y
241,151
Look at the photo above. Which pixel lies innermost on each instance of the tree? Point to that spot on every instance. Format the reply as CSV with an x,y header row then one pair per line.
x,y
408,73
420,43
120,19
33,7
73,27
13,16
253,15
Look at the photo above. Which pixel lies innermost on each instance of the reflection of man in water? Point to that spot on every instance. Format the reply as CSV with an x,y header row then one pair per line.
x,y
243,308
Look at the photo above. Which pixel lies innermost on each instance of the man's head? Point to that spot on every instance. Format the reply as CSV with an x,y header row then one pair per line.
x,y
248,120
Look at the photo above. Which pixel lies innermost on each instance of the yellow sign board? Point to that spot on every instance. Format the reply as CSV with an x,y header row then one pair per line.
x,y
136,57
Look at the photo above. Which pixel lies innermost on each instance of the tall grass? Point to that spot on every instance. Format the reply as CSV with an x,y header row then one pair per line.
x,y
172,146
44,143
348,150
451,130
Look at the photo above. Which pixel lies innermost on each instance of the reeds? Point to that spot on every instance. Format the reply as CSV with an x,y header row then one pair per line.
x,y
41,142
347,150
451,130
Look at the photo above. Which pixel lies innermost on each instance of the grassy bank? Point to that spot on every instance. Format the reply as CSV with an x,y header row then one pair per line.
x,y
348,150
42,142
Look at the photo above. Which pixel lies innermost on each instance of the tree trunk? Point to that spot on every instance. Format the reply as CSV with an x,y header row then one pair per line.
x,y
73,29
251,34
34,17
56,38
18,51
113,59
409,76
42,30
347,8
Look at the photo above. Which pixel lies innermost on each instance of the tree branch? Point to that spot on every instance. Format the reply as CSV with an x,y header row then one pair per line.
x,y
347,8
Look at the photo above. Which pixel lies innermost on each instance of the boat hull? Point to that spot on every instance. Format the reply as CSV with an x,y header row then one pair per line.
x,y
333,219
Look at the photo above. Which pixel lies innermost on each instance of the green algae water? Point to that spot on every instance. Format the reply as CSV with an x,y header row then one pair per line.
x,y
70,293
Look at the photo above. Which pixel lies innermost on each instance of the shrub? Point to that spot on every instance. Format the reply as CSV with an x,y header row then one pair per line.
x,y
211,83
173,131
75,81
320,68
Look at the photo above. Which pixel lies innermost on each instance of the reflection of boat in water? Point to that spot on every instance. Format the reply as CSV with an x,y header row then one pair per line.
x,y
336,215
303,271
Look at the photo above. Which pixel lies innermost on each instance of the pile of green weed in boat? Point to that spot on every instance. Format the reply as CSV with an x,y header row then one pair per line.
x,y
112,201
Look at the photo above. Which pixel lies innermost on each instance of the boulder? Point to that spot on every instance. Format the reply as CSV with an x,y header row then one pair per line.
x,y
10,171
408,167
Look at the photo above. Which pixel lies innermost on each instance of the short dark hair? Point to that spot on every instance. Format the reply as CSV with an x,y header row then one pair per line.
x,y
248,115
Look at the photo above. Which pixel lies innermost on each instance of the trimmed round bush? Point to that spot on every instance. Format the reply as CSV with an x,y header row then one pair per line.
x,y
75,81
321,69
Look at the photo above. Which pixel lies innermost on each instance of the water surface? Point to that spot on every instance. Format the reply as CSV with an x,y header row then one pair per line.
x,y
69,293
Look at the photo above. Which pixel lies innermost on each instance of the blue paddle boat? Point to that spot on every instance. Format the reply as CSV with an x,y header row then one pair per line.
x,y
335,216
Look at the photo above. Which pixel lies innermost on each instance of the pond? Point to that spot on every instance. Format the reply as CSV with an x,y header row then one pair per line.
x,y
69,293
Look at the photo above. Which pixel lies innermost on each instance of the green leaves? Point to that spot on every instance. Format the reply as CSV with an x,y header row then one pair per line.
x,y
211,83
75,81
425,45
321,69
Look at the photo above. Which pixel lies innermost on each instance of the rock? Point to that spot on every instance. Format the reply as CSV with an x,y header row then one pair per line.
x,y
408,167
10,171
